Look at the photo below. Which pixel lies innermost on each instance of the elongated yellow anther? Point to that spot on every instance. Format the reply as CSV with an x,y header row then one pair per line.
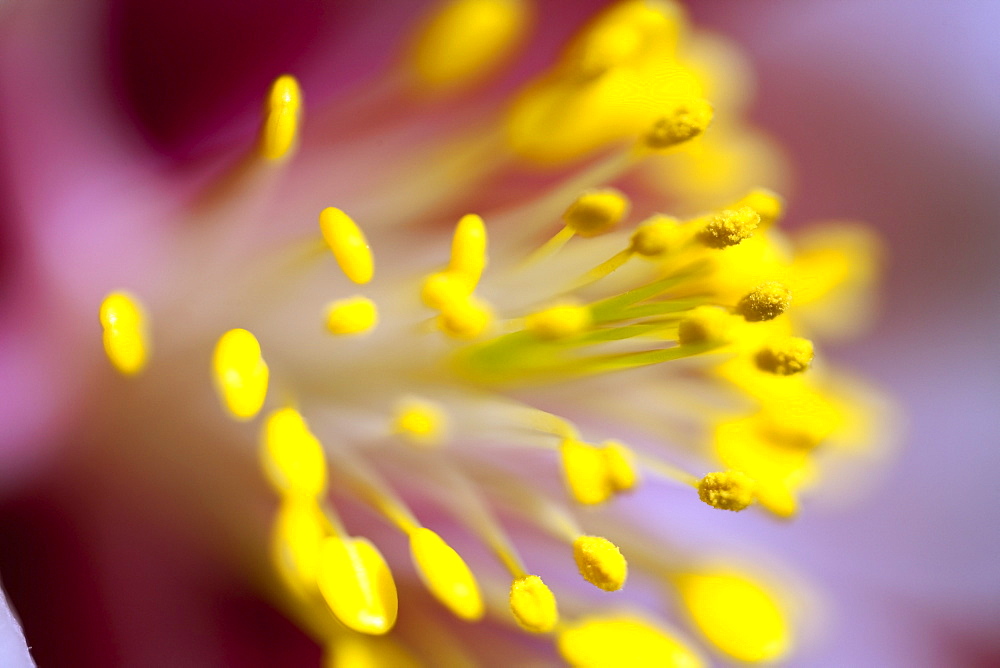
x,y
419,422
785,357
240,373
727,490
768,205
355,650
619,466
465,318
467,39
598,642
729,227
354,315
600,562
593,474
291,456
468,249
348,244
533,604
655,236
765,302
446,574
559,322
357,585
737,615
444,287
596,212
126,338
282,113
682,123
704,324
297,537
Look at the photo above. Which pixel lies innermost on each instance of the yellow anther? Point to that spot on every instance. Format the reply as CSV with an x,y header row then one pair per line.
x,y
282,114
468,249
768,205
602,642
704,324
729,227
737,615
619,466
467,39
600,562
786,357
240,373
298,534
357,585
533,604
727,490
419,422
596,212
354,315
446,574
765,302
291,455
465,318
444,287
126,340
655,236
622,35
684,122
594,474
348,243
559,322
355,650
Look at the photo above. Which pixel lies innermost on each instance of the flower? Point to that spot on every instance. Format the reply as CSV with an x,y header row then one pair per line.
x,y
450,391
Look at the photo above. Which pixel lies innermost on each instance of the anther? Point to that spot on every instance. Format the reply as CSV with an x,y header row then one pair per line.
x,y
600,562
727,490
444,287
419,422
622,641
357,584
704,324
533,604
729,227
655,236
446,574
468,250
786,357
593,474
354,315
240,373
280,129
465,318
558,322
768,205
126,340
765,302
596,212
683,123
348,244
291,455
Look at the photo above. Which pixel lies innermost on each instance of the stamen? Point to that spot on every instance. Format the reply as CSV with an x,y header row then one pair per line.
x,y
348,244
356,583
355,315
126,341
622,641
600,562
727,490
468,249
768,205
596,212
446,574
444,287
656,236
419,422
298,534
593,474
240,373
558,322
291,455
682,123
465,318
729,227
704,324
280,129
765,302
786,357
533,604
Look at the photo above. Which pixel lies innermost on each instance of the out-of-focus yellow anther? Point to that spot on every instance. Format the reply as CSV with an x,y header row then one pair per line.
x,y
282,113
704,324
419,422
444,287
737,615
126,340
729,227
600,562
619,466
348,243
768,205
355,650
465,318
298,534
596,212
467,39
292,457
240,373
468,249
765,302
559,322
533,604
598,642
354,315
682,123
593,474
786,357
446,574
727,490
621,36
357,585
655,236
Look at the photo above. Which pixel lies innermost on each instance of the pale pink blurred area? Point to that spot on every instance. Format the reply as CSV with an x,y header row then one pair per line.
x,y
890,112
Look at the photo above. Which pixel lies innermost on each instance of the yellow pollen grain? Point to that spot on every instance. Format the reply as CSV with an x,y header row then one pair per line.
x,y
682,123
559,322
280,129
704,324
596,212
419,422
240,373
356,583
727,490
533,604
729,227
126,341
765,302
446,574
354,315
656,236
786,357
600,562
348,244
465,318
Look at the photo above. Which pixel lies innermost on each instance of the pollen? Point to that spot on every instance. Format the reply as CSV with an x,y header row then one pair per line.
x,y
727,490
656,236
446,574
704,324
729,227
600,562
240,373
559,322
126,341
786,357
356,583
354,315
282,113
683,123
533,604
419,422
348,244
291,455
596,212
599,642
765,302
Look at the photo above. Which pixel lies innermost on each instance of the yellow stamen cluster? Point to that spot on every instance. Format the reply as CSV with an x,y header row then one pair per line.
x,y
727,490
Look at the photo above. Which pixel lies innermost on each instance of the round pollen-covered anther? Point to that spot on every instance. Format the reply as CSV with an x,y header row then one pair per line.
x,y
655,236
682,123
355,315
729,227
704,324
533,604
596,212
600,562
765,302
727,490
786,357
